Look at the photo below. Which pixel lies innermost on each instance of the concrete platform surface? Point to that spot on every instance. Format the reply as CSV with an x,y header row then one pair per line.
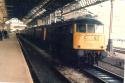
x,y
13,67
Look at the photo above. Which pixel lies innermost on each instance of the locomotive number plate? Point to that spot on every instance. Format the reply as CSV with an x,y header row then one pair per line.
x,y
90,37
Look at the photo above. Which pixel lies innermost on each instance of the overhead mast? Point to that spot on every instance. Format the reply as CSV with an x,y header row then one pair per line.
x,y
110,43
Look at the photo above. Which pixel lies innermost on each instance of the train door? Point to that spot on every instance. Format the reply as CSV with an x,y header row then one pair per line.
x,y
78,35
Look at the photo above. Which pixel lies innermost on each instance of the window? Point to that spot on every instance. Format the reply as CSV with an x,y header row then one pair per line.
x,y
90,28
81,27
99,29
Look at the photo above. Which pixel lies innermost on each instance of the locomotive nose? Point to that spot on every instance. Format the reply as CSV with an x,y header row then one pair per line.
x,y
88,41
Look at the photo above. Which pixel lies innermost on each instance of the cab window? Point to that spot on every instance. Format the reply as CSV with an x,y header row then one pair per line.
x,y
81,28
90,28
99,29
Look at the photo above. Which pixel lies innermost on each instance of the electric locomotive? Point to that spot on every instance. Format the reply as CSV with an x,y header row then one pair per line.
x,y
76,40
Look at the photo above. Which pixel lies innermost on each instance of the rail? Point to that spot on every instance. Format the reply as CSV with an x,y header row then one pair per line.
x,y
118,66
103,76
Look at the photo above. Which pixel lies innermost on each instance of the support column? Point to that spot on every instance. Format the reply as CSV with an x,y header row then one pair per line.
x,y
110,42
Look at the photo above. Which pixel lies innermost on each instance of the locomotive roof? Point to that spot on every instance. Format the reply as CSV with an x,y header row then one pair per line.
x,y
85,21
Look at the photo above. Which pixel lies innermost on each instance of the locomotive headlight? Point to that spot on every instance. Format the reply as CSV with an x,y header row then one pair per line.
x,y
102,47
78,46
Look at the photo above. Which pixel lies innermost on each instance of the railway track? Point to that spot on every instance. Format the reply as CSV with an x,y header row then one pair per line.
x,y
101,75
91,74
119,50
112,68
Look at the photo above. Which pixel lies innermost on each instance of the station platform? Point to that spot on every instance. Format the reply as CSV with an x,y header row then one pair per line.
x,y
13,67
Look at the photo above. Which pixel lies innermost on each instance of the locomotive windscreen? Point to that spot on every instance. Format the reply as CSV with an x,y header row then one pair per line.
x,y
90,28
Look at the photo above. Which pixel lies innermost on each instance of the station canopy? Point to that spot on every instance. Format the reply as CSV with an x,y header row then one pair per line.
x,y
20,8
